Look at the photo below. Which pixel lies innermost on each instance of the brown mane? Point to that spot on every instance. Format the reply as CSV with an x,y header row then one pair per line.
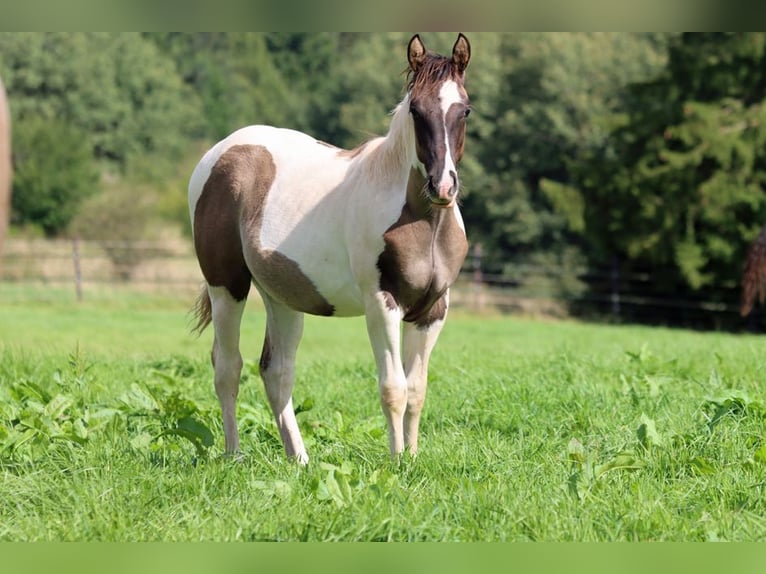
x,y
434,70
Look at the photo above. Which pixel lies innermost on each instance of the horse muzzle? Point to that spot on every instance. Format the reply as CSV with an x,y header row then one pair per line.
x,y
445,193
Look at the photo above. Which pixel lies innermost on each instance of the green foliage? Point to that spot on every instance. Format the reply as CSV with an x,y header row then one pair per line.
x,y
642,152
309,64
567,432
159,412
36,418
235,78
118,89
552,100
681,191
83,103
54,173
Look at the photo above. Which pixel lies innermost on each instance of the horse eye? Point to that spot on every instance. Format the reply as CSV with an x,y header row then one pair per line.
x,y
467,112
415,113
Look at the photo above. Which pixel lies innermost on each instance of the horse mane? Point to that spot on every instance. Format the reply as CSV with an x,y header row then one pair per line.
x,y
382,155
434,70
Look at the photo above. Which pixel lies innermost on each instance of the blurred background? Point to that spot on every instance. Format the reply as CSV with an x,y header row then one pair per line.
x,y
607,176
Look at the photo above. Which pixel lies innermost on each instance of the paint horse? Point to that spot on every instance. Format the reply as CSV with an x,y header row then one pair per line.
x,y
322,230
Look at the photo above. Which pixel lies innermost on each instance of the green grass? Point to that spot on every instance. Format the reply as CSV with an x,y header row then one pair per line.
x,y
552,431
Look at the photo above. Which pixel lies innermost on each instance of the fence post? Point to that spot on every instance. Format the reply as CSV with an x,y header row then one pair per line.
x,y
77,270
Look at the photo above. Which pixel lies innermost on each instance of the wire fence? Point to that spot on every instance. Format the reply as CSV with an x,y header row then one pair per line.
x,y
84,267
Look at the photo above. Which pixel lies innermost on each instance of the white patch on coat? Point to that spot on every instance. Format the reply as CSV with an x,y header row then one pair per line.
x,y
458,217
328,196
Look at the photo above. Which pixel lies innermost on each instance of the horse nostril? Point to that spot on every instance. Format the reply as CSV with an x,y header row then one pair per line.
x,y
433,187
453,175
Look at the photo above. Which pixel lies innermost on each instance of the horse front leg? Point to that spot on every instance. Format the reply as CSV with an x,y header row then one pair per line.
x,y
383,327
418,342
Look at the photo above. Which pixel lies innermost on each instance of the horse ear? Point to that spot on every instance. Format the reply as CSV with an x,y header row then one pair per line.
x,y
461,52
416,53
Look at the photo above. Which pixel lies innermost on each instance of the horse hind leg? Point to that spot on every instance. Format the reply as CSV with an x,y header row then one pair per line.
x,y
284,328
227,360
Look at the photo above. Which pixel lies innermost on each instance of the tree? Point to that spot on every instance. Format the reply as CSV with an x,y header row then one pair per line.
x,y
368,83
233,73
683,191
311,64
54,173
556,96
117,89
85,103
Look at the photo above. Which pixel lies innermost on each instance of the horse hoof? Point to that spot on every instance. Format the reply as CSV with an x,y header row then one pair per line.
x,y
301,458
236,456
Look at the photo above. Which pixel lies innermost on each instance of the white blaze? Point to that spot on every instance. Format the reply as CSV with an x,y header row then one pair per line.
x,y
448,95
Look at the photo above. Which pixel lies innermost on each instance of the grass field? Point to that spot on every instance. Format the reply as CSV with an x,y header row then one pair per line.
x,y
547,431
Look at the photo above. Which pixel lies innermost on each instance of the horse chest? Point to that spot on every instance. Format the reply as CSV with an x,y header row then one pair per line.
x,y
421,259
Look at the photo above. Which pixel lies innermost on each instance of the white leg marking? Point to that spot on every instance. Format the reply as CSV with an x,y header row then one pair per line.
x,y
284,328
417,345
383,326
227,361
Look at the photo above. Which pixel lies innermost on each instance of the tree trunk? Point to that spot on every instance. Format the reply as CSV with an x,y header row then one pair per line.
x,y
5,165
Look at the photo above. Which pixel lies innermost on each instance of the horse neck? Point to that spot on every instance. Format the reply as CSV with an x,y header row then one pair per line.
x,y
400,145
392,158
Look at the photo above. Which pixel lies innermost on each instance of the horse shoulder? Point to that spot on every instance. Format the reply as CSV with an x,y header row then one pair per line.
x,y
451,247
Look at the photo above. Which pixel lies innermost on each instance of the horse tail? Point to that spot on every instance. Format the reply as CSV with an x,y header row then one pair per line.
x,y
202,311
754,274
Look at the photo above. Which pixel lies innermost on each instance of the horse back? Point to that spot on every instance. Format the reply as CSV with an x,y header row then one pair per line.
x,y
268,205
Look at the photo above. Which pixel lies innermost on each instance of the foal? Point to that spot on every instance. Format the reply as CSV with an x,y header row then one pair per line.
x,y
374,231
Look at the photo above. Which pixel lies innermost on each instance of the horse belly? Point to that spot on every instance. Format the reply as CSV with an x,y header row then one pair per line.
x,y
328,273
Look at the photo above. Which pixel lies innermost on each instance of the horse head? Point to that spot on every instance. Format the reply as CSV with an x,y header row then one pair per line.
x,y
439,106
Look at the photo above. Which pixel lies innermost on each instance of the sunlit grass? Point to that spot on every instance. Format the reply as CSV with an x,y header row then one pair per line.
x,y
532,431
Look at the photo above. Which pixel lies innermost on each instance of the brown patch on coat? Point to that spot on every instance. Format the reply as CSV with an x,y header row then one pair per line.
x,y
390,301
217,218
265,360
437,312
227,228
424,251
430,140
456,116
